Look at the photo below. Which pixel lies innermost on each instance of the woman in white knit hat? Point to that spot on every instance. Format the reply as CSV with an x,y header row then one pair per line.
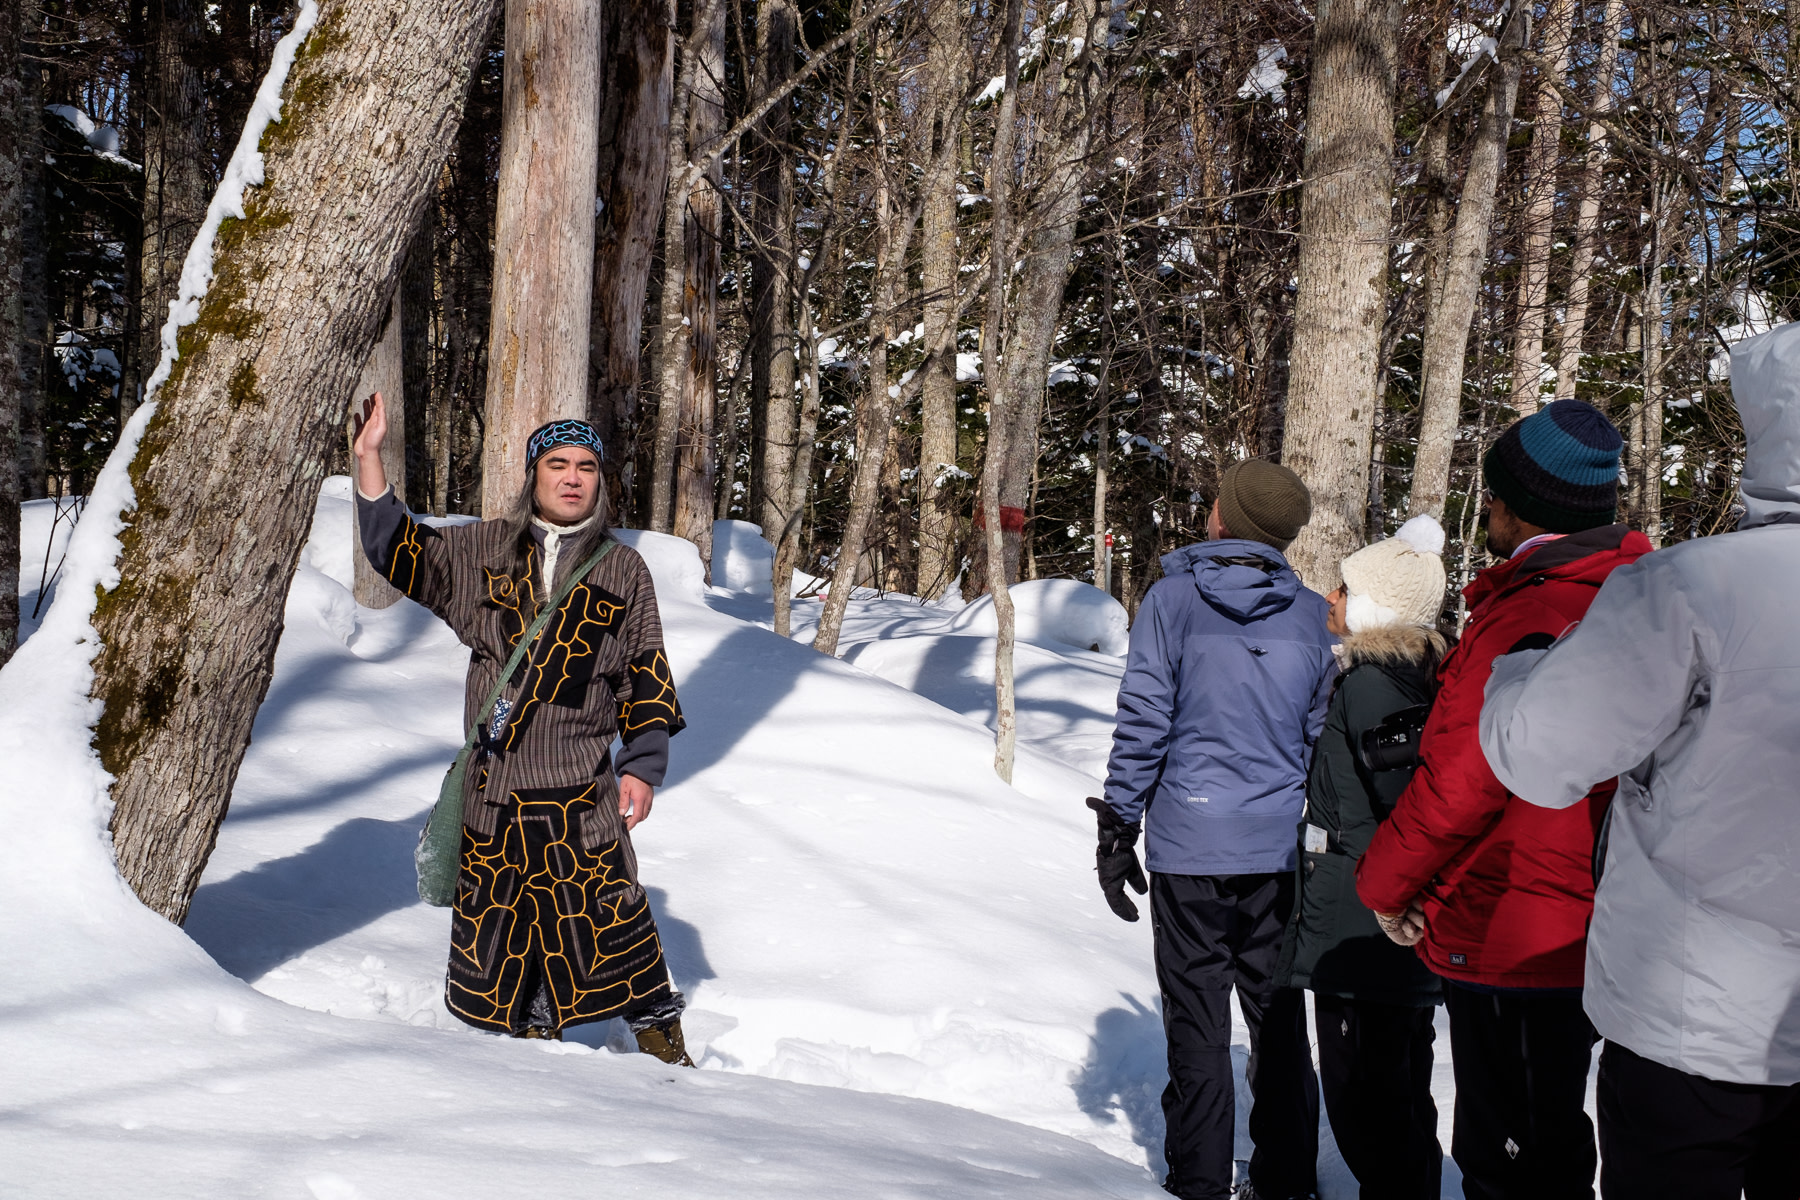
x,y
1372,999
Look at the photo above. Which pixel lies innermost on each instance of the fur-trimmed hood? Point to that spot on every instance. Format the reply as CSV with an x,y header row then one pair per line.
x,y
1395,645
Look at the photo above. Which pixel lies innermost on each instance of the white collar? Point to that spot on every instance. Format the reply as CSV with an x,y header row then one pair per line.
x,y
563,530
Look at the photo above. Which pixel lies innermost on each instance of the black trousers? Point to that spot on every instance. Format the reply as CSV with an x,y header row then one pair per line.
x,y
1375,1070
1213,934
1521,1061
1665,1133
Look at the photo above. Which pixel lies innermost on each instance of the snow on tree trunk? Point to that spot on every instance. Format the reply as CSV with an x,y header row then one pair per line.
x,y
12,319
230,463
1585,243
696,466
946,78
543,233
177,162
385,373
771,279
1345,210
1447,322
1537,223
634,170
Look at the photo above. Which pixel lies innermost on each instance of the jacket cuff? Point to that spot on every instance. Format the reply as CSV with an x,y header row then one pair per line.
x,y
645,756
380,521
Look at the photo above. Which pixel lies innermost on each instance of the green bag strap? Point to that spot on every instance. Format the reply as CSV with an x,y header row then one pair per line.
x,y
530,636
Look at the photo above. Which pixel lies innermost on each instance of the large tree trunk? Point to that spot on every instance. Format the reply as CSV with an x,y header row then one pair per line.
x,y
946,75
1341,299
1447,322
771,278
385,372
1587,219
543,233
634,170
301,288
177,168
1538,220
12,318
698,384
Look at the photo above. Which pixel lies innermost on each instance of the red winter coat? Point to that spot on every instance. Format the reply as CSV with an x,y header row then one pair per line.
x,y
1507,887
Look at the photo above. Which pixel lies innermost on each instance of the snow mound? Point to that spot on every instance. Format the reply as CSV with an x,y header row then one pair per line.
x,y
742,560
674,564
1054,612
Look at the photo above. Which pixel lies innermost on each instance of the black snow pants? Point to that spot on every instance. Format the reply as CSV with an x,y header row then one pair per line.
x,y
1215,933
1668,1135
1375,1070
1521,1060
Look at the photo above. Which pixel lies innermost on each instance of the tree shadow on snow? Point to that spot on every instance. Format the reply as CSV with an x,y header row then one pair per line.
x,y
258,919
1124,1075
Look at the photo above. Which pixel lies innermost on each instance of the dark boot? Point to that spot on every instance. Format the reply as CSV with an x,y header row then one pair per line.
x,y
664,1041
542,1032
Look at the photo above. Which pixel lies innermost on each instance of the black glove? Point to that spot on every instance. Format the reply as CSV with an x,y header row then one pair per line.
x,y
1117,859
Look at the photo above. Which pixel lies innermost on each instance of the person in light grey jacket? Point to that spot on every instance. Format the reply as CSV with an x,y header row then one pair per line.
x,y
1684,680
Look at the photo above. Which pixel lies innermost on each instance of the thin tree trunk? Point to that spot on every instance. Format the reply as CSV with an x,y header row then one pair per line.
x,y
946,72
187,639
1043,274
633,177
12,318
772,279
1587,220
1445,351
418,303
543,233
875,416
1538,220
177,167
38,332
385,372
1341,298
996,376
1648,484
695,459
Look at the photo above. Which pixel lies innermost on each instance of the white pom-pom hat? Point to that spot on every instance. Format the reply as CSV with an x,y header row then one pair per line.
x,y
1397,581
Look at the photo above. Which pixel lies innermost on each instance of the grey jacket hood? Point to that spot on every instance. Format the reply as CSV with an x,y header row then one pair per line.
x,y
1244,579
1765,383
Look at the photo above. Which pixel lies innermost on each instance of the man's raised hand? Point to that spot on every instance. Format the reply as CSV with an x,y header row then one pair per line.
x,y
368,429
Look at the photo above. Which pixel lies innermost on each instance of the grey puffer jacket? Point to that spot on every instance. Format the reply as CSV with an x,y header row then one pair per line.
x,y
1684,679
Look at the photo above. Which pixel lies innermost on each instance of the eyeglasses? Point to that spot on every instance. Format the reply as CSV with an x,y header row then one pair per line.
x,y
1487,496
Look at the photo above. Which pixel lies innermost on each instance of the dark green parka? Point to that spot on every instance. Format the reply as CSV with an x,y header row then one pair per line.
x,y
1333,944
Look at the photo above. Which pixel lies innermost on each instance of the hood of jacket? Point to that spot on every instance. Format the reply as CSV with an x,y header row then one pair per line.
x,y
1241,578
1765,383
1393,646
1585,557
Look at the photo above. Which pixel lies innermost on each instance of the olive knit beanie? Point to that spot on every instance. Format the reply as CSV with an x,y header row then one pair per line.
x,y
1558,469
1397,581
1263,502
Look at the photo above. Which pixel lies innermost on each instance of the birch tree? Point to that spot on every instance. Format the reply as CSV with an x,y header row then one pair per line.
x,y
1585,241
1538,219
188,635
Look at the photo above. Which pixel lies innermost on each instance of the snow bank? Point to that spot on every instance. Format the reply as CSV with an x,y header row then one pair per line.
x,y
674,564
742,560
1054,612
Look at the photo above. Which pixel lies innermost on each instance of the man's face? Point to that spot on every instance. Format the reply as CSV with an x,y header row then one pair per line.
x,y
1504,530
567,486
1215,529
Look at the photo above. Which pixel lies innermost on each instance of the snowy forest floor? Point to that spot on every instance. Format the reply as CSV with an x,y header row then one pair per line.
x,y
902,979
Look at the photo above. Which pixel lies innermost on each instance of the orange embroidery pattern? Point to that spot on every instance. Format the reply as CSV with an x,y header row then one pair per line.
x,y
653,699
533,901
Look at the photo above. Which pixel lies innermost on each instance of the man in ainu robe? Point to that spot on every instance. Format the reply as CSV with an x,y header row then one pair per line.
x,y
551,926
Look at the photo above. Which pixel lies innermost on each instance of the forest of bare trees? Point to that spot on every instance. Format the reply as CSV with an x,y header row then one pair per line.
x,y
941,295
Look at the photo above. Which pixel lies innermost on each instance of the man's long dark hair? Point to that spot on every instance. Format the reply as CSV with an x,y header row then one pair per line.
x,y
573,553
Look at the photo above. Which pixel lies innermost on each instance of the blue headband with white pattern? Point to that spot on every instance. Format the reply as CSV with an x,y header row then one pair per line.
x,y
562,433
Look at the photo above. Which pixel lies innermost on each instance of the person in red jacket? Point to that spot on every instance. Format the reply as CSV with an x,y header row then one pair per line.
x,y
1497,892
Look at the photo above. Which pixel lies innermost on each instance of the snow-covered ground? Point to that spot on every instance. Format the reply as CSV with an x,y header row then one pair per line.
x,y
902,978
